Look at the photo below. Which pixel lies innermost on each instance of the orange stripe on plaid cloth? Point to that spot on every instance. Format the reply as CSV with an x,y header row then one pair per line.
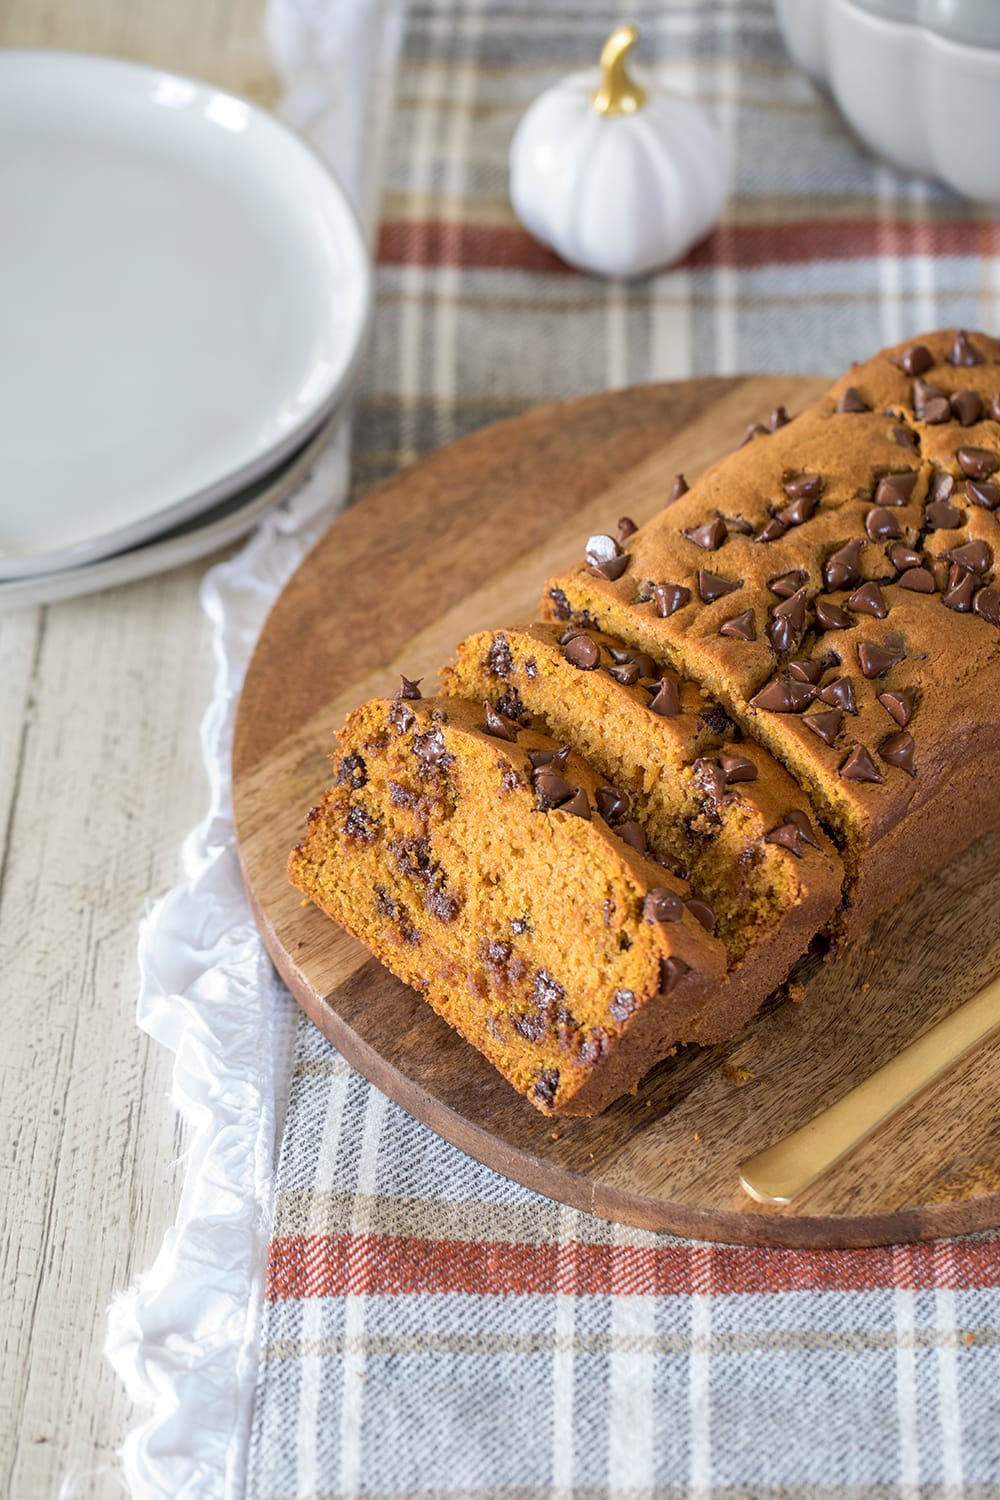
x,y
389,1265
437,242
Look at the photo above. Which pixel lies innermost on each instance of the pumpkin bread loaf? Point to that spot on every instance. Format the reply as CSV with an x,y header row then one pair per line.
x,y
763,716
832,585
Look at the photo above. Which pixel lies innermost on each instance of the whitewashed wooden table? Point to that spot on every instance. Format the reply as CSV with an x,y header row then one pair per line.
x,y
100,778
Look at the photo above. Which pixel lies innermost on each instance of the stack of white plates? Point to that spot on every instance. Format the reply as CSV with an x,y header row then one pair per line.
x,y
184,298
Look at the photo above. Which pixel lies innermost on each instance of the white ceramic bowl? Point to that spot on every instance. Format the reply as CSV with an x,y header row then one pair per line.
x,y
919,80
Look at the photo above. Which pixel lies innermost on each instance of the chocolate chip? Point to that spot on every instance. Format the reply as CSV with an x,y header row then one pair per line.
x,y
630,833
839,694
753,430
881,525
985,494
740,627
709,778
613,569
802,823
407,689
987,604
940,516
702,912
876,660
917,580
560,604
783,696
896,489
859,766
906,438
577,805
662,905
582,652
852,400
995,407
431,750
808,483
712,587
666,700
736,767
679,487
622,1006
497,726
831,617
786,584
670,597
710,535
897,750
552,790
964,351
935,411
903,557
807,671
899,702
825,723
842,569
967,406
782,635
959,595
647,666
546,1086
675,866
627,673
601,549
928,396
974,557
941,487
977,463
913,360
555,758
791,612
672,971
626,528
789,835
715,718
611,804
800,510
868,600
772,531
739,524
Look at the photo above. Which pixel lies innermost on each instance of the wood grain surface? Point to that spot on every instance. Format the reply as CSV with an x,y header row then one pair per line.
x,y
101,777
463,541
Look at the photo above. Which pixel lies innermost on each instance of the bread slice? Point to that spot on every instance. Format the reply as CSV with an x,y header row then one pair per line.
x,y
473,859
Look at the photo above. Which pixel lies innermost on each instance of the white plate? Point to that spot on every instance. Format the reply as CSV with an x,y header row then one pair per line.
x,y
218,527
184,293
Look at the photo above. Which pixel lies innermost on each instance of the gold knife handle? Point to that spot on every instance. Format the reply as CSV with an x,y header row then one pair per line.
x,y
781,1172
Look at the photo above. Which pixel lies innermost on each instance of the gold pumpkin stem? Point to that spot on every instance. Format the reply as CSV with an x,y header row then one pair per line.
x,y
618,94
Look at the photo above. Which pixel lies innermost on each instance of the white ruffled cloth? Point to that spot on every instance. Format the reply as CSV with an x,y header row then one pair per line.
x,y
183,1337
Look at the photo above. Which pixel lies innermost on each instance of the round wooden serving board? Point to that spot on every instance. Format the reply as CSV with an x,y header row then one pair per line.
x,y
464,540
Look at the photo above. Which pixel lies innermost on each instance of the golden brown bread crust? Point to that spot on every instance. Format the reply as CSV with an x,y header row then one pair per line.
x,y
789,501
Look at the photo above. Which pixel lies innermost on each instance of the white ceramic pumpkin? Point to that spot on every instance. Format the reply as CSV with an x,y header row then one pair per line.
x,y
616,179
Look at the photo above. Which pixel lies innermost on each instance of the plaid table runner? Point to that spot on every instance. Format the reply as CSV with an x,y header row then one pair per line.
x,y
431,1329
